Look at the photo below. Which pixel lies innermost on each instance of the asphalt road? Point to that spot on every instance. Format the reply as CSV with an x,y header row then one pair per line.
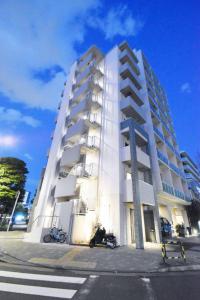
x,y
29,283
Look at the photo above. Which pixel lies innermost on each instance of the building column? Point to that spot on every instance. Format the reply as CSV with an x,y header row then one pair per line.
x,y
157,224
139,240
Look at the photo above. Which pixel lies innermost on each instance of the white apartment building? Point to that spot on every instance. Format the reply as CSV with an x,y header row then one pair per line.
x,y
114,157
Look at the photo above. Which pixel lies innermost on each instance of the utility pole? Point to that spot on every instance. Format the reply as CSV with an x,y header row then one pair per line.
x,y
16,199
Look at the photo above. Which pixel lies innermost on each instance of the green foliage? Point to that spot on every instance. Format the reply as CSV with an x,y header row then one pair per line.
x,y
193,211
12,179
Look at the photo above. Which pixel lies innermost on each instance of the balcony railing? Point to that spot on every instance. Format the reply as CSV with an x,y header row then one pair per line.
x,y
155,112
177,170
90,84
172,191
168,188
170,146
152,99
179,194
157,131
88,59
90,142
162,157
85,170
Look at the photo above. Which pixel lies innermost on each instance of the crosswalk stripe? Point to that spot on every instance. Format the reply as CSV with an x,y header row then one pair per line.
x,y
42,277
37,290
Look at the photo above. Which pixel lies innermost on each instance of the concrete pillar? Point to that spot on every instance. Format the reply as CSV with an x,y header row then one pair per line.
x,y
139,240
157,224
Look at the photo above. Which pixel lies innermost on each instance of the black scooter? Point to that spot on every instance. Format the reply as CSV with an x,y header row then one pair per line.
x,y
102,239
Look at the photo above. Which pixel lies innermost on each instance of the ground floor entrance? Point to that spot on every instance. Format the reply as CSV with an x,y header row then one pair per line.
x,y
148,225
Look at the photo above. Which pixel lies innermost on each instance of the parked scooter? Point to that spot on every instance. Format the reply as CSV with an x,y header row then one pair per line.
x,y
101,238
55,234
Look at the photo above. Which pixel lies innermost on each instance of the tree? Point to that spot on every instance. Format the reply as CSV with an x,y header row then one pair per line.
x,y
12,179
194,213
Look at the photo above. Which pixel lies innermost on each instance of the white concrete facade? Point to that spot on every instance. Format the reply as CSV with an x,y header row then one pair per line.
x,y
108,163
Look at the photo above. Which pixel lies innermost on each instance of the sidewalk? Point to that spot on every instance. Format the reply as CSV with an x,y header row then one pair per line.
x,y
122,259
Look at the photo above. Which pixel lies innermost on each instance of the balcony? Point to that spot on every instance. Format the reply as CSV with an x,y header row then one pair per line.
x,y
66,187
145,189
127,72
66,184
81,77
155,112
179,194
142,157
91,69
168,188
177,154
169,145
76,131
188,162
83,170
162,157
159,133
152,99
132,110
127,88
189,169
70,156
176,170
79,109
90,142
85,62
126,56
90,101
90,84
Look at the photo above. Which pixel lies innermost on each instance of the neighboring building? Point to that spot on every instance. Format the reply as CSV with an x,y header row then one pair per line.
x,y
114,157
192,175
27,200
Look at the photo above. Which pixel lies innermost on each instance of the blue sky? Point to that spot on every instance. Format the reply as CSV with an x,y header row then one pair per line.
x,y
40,40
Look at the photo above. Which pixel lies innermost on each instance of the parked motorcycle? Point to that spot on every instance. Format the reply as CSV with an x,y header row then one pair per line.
x,y
55,234
101,238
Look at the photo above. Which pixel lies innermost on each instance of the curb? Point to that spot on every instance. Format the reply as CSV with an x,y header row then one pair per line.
x,y
111,272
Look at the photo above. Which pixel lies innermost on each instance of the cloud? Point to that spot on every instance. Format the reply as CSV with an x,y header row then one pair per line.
x,y
36,36
119,21
28,156
185,88
39,39
8,141
15,116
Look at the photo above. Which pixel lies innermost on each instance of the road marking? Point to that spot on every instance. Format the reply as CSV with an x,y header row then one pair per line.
x,y
150,292
42,277
86,288
94,276
146,279
37,290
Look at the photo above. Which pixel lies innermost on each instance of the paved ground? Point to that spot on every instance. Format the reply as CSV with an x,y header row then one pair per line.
x,y
122,259
30,283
